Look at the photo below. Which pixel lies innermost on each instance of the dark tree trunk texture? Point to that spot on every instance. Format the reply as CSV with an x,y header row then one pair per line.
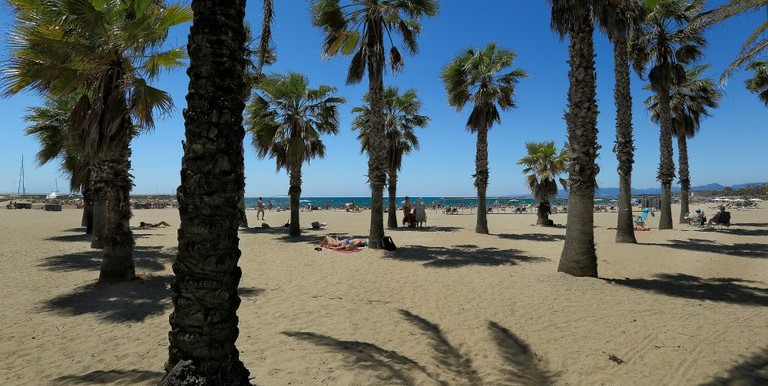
x,y
542,213
87,220
118,246
685,177
294,194
666,163
204,320
578,257
377,151
99,189
624,146
481,180
392,207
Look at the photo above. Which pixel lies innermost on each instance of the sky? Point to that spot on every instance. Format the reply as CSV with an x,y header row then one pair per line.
x,y
729,148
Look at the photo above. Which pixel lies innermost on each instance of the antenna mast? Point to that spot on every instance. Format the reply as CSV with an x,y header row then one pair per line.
x,y
22,187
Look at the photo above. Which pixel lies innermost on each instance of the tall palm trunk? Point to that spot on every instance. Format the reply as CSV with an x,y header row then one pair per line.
x,y
377,152
99,188
294,194
87,220
666,164
481,180
117,264
204,320
578,257
624,147
685,176
542,213
392,207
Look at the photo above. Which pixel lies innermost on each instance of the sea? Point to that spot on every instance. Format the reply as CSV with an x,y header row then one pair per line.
x,y
341,202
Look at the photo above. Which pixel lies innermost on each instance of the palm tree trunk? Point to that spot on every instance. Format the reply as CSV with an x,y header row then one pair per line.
x,y
578,257
666,163
685,177
87,220
481,180
392,207
204,319
294,192
377,152
243,214
542,213
99,194
624,147
117,264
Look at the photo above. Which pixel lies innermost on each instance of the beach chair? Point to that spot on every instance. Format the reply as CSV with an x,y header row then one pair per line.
x,y
640,220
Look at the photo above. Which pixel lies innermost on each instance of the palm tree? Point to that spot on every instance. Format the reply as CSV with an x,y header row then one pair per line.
x,y
576,20
619,21
103,53
287,119
667,45
759,82
50,125
478,76
543,164
204,320
688,102
360,27
756,42
401,117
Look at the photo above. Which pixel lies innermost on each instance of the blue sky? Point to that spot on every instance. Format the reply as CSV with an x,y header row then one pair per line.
x,y
729,149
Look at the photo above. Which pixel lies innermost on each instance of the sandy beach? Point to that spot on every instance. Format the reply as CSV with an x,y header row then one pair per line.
x,y
683,307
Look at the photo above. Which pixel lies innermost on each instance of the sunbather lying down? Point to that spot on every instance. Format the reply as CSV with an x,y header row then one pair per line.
x,y
161,224
347,243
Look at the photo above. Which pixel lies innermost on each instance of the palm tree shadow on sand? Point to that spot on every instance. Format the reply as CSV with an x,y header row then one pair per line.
x,y
753,370
111,377
728,290
753,250
520,364
124,302
461,255
148,258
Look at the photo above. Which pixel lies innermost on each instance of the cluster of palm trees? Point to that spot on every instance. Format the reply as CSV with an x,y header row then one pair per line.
x,y
93,61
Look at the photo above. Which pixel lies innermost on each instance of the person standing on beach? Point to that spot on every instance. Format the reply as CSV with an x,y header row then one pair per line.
x,y
260,209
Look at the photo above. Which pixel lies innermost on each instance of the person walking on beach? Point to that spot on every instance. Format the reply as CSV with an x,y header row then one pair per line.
x,y
260,209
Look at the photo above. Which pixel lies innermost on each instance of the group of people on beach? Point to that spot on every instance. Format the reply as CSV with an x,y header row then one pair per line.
x,y
415,216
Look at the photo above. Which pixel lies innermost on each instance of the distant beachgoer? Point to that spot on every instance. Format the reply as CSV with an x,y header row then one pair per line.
x,y
716,216
161,224
420,213
269,205
260,206
408,217
696,218
347,243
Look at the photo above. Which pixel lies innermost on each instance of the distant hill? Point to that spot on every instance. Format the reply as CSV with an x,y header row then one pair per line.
x,y
611,191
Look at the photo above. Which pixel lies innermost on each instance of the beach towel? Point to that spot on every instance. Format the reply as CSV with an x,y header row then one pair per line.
x,y
344,250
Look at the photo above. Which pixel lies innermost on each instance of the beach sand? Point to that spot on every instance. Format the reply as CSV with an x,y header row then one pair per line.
x,y
683,307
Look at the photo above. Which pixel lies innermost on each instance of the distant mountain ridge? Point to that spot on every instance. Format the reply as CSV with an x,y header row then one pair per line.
x,y
610,191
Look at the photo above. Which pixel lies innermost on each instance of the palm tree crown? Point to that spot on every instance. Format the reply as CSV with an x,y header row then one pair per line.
x,y
81,47
759,82
286,118
755,44
476,76
543,164
401,117
360,26
688,102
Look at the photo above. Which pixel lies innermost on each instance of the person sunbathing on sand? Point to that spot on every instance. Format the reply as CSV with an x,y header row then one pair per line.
x,y
348,243
161,224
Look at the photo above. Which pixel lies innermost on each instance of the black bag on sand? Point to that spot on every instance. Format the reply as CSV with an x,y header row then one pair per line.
x,y
388,244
